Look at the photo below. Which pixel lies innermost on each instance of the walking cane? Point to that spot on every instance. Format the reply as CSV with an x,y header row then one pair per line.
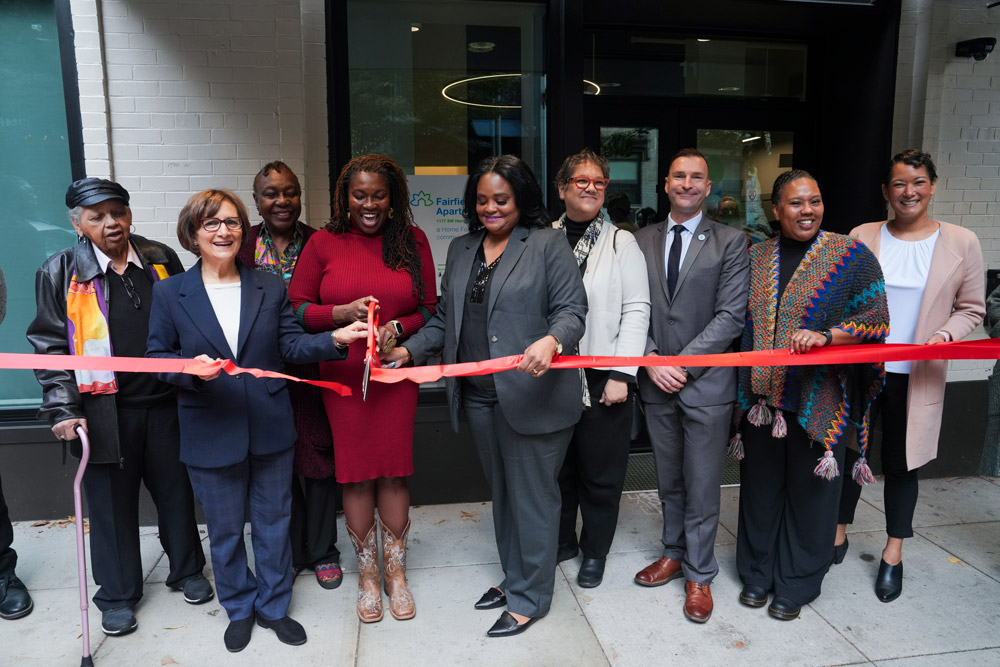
x,y
81,554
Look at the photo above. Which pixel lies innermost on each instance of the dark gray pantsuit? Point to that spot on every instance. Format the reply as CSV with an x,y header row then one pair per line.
x,y
688,480
523,472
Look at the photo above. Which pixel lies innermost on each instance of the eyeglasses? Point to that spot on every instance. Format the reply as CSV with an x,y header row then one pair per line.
x,y
213,224
584,183
130,290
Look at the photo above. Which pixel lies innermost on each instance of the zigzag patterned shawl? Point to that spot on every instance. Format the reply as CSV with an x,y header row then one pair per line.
x,y
838,284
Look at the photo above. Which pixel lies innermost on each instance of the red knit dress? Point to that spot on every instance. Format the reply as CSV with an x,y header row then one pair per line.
x,y
372,438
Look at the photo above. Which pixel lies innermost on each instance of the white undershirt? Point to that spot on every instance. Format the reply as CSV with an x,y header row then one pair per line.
x,y
225,300
905,265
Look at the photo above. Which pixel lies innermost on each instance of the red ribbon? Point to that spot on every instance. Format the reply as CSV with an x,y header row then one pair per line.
x,y
844,354
145,365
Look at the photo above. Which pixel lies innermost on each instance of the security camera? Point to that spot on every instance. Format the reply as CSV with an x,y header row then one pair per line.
x,y
977,48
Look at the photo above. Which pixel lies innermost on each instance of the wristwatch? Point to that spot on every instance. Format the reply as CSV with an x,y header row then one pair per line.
x,y
828,334
558,343
396,327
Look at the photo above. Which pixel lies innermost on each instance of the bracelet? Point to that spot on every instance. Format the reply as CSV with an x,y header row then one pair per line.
x,y
336,343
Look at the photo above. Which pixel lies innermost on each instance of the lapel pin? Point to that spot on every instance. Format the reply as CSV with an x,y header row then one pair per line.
x,y
701,237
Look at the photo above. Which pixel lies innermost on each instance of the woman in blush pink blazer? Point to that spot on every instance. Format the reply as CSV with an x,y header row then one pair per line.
x,y
935,288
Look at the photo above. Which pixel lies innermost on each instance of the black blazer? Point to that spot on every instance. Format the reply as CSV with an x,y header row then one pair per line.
x,y
225,419
535,291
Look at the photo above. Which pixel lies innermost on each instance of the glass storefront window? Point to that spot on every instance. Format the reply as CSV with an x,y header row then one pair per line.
x,y
642,64
33,175
633,158
448,84
742,165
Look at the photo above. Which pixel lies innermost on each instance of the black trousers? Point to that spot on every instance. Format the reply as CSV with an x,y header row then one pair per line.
x,y
150,445
593,475
8,557
314,521
788,515
901,485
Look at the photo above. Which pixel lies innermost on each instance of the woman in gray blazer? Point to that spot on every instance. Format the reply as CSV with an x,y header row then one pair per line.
x,y
511,286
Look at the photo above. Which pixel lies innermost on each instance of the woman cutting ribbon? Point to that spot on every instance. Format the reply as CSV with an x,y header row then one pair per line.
x,y
512,286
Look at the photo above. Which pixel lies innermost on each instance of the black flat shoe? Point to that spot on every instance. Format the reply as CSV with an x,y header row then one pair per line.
x,y
839,551
566,551
492,599
238,634
753,596
591,572
506,626
889,582
784,609
289,631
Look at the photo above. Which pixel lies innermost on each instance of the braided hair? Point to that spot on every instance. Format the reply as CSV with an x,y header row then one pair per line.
x,y
399,244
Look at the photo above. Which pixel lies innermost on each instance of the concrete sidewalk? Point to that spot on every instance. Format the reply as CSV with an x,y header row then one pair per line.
x,y
949,613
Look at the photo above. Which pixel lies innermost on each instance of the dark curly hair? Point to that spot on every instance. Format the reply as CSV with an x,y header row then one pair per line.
x,y
527,193
783,179
399,244
913,157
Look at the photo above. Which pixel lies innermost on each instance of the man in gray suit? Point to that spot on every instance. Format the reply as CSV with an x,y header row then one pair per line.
x,y
698,279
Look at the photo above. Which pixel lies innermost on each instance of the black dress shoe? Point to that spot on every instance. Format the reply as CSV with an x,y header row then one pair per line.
x,y
492,599
15,601
784,609
839,551
238,634
289,631
889,582
506,626
753,596
566,551
591,572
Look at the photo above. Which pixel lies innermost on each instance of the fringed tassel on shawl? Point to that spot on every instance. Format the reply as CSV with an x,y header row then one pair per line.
x,y
735,450
862,473
780,428
760,414
827,466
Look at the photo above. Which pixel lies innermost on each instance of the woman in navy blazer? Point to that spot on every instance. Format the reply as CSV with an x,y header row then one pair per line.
x,y
237,432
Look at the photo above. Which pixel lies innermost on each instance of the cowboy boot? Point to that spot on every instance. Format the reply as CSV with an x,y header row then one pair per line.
x,y
401,604
369,596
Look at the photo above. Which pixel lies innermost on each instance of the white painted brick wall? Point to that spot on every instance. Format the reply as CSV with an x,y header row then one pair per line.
x,y
956,118
180,97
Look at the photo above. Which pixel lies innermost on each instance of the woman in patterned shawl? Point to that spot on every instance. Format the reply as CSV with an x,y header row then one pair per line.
x,y
808,288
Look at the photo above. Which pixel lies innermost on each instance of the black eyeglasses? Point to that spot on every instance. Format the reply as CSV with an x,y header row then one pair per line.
x,y
584,183
130,290
213,224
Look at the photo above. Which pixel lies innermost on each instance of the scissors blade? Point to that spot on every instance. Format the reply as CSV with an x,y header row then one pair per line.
x,y
364,378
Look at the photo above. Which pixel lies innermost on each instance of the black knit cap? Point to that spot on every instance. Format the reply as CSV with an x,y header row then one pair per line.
x,y
90,191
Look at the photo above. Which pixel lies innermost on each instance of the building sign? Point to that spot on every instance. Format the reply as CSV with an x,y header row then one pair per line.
x,y
436,202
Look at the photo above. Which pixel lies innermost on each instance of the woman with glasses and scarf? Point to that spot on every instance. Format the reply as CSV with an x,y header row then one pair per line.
x,y
614,274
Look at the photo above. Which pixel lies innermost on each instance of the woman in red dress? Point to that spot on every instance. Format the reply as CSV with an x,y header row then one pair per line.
x,y
370,251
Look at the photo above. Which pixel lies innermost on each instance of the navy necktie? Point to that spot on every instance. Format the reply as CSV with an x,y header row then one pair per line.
x,y
674,259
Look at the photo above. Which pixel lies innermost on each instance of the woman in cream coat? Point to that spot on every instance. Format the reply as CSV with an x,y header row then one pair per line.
x,y
935,289
614,275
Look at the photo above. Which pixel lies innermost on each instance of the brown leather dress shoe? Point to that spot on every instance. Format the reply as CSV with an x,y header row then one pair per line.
x,y
698,604
659,573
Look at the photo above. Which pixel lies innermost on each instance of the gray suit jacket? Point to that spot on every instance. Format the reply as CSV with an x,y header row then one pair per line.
x,y
535,291
706,313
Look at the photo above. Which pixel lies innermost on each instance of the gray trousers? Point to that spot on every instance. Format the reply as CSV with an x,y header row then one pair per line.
x,y
688,448
523,472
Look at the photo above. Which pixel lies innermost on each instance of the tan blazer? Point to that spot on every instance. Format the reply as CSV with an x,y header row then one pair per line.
x,y
954,301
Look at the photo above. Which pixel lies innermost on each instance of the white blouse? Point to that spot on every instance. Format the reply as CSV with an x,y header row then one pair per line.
x,y
225,300
905,265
